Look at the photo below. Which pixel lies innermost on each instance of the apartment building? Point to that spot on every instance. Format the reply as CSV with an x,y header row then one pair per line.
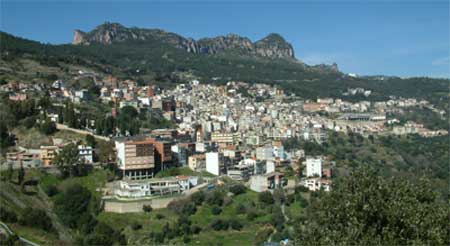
x,y
136,157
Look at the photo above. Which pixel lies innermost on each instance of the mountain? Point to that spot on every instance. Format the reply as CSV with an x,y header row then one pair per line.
x,y
273,46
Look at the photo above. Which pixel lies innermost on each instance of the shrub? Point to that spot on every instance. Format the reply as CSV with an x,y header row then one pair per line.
x,y
159,216
240,209
36,218
237,189
147,208
7,215
219,224
265,197
189,209
216,210
136,226
196,229
51,190
215,198
198,197
235,225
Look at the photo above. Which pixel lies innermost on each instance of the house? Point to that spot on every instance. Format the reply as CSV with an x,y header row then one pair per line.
x,y
316,184
197,162
85,154
48,153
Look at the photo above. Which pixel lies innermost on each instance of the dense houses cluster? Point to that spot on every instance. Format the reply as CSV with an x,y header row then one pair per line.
x,y
234,130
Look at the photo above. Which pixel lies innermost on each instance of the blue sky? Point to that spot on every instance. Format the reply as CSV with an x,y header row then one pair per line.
x,y
403,38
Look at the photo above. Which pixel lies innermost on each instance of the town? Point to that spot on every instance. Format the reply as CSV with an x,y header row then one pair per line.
x,y
235,130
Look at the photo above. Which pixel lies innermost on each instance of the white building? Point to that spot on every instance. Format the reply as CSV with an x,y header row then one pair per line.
x,y
264,153
314,166
213,163
85,154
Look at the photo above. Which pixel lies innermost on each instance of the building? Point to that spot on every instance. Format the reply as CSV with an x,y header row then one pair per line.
x,y
264,153
136,157
29,158
47,155
240,172
313,166
197,162
225,138
266,182
85,154
213,163
316,184
163,153
153,187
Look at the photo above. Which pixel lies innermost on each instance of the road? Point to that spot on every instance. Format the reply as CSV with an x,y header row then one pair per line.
x,y
79,131
6,227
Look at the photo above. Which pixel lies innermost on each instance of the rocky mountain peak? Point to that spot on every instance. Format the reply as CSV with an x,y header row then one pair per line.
x,y
272,46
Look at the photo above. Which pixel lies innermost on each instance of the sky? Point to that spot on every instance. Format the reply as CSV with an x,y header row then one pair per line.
x,y
397,37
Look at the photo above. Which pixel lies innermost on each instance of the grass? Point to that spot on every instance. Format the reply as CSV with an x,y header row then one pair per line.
x,y
149,222
36,235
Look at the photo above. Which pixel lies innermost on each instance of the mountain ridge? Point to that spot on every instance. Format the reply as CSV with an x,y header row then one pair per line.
x,y
273,46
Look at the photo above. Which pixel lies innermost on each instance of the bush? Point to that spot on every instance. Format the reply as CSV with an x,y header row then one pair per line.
x,y
189,209
240,209
51,190
36,218
147,208
219,224
265,197
159,216
177,206
215,198
251,215
196,229
136,226
198,197
216,210
237,189
48,127
235,225
7,215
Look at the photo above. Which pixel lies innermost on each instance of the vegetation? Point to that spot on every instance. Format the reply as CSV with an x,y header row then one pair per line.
x,y
376,211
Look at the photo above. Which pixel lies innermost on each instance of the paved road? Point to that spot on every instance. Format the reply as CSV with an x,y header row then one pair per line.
x,y
6,227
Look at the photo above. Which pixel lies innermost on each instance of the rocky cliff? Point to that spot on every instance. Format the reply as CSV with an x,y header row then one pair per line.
x,y
272,46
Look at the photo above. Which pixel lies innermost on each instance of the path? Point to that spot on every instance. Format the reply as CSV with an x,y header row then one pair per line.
x,y
10,232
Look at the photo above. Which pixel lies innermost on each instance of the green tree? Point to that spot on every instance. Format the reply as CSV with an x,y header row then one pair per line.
x,y
71,204
68,160
366,208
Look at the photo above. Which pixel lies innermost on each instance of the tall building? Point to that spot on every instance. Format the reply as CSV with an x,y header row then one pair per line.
x,y
213,163
314,166
135,157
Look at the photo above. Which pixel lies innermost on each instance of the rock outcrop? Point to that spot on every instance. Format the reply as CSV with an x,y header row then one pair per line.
x,y
272,46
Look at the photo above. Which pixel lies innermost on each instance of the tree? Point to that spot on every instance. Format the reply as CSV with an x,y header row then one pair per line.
x,y
21,175
71,204
237,189
265,197
104,151
68,160
90,140
48,127
198,197
366,208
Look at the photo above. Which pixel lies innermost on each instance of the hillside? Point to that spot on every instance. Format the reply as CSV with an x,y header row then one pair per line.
x,y
156,57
